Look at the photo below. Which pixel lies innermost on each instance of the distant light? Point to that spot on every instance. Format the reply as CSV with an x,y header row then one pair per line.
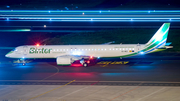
x,y
148,11
37,44
131,19
23,57
8,6
170,19
141,52
91,57
91,19
83,13
66,8
49,19
99,11
44,25
7,19
98,57
49,11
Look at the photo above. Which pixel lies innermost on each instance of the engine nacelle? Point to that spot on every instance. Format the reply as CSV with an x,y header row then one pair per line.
x,y
63,61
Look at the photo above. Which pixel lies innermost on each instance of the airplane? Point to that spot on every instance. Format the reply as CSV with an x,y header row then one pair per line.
x,y
67,54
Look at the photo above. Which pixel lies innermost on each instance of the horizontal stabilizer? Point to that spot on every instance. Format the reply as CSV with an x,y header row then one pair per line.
x,y
167,44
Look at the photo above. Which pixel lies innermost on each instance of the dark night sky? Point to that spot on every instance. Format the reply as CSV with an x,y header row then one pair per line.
x,y
89,4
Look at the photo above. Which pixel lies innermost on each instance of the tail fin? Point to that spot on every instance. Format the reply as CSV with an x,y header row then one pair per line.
x,y
160,37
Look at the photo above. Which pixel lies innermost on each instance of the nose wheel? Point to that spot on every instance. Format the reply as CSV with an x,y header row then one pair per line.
x,y
20,62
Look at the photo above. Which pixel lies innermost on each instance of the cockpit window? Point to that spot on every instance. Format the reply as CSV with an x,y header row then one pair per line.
x,y
14,49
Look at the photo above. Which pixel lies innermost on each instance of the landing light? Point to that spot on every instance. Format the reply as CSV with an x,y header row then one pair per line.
x,y
141,52
88,61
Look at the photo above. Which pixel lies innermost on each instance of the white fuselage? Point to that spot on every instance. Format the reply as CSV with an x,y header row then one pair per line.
x,y
53,51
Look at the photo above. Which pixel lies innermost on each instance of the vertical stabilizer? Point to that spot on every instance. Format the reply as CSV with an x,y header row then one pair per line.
x,y
160,37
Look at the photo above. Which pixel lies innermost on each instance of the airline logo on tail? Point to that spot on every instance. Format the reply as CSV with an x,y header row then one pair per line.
x,y
159,39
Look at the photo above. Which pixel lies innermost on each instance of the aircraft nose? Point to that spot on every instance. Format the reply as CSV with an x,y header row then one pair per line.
x,y
6,55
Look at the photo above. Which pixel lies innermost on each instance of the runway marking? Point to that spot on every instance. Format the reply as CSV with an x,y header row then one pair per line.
x,y
105,63
151,94
127,92
50,75
113,63
51,90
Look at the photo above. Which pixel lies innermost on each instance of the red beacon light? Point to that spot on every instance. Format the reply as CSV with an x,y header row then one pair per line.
x,y
37,44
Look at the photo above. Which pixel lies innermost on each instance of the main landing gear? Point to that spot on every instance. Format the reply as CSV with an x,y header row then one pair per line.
x,y
85,64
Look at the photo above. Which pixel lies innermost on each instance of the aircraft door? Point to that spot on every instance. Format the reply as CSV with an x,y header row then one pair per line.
x,y
138,48
25,50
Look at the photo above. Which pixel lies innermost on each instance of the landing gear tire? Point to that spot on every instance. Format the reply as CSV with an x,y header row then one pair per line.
x,y
85,64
